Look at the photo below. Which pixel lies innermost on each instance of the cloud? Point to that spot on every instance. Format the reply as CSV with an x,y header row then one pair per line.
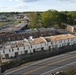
x,y
25,0
14,0
69,0
2,7
20,6
29,0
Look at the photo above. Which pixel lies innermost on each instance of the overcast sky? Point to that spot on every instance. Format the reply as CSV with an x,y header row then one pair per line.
x,y
36,5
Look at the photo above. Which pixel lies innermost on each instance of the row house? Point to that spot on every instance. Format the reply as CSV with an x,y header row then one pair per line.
x,y
32,45
58,41
15,48
38,44
12,36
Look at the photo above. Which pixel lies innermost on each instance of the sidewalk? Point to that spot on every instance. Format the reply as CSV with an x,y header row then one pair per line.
x,y
6,60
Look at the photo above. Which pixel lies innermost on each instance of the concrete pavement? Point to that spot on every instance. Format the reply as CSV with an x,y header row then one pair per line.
x,y
45,66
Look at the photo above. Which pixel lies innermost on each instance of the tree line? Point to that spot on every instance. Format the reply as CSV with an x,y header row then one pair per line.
x,y
51,18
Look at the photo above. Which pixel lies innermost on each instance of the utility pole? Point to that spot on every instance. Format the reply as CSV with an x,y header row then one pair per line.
x,y
0,63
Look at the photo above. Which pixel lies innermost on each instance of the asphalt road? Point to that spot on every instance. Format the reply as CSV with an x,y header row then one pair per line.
x,y
45,66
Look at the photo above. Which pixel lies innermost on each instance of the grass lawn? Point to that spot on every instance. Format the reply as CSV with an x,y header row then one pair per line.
x,y
2,23
14,23
70,70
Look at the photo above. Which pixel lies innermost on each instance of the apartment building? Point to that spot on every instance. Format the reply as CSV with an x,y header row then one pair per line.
x,y
15,48
11,36
32,45
38,44
58,41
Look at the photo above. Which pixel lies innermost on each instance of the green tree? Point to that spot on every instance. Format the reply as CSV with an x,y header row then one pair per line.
x,y
73,14
35,18
50,18
63,19
72,18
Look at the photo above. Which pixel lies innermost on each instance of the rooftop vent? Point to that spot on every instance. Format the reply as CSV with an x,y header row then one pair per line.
x,y
68,34
25,40
12,42
31,38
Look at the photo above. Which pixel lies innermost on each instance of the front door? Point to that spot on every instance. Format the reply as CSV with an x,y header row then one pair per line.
x,y
16,53
6,56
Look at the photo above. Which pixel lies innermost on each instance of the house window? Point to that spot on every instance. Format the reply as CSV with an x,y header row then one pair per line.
x,y
24,48
12,50
8,38
16,53
6,56
16,45
42,48
26,52
3,51
49,47
9,50
34,50
29,47
59,41
54,42
18,48
45,44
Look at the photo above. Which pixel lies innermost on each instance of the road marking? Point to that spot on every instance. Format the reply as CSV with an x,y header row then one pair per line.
x,y
47,65
59,68
11,70
37,62
32,63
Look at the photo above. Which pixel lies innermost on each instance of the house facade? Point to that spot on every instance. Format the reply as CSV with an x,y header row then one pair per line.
x,y
32,45
58,41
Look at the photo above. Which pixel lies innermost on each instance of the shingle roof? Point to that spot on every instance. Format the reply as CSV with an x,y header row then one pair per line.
x,y
21,43
59,37
37,41
16,44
